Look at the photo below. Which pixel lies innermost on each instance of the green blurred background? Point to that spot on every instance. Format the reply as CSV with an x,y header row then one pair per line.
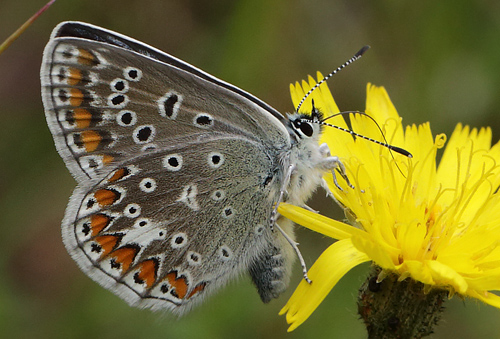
x,y
439,60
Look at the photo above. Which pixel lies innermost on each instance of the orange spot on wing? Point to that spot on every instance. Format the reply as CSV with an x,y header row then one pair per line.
x,y
107,242
75,76
120,173
178,284
147,272
107,159
124,256
86,58
199,288
106,197
91,140
82,117
76,97
98,222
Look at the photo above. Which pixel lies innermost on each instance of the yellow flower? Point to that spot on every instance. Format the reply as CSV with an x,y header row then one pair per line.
x,y
437,226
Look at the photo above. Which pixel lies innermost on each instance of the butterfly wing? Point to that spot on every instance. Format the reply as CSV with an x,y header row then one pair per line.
x,y
161,235
177,170
107,96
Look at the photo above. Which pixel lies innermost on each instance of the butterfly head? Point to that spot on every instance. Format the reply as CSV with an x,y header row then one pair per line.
x,y
305,126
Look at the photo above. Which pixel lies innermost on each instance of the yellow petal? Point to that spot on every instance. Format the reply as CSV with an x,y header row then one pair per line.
x,y
417,270
443,275
333,264
316,222
486,297
377,252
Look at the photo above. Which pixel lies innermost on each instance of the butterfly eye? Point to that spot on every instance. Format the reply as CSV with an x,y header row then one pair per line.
x,y
305,127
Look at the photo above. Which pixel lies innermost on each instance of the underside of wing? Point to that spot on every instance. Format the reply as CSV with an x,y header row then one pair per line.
x,y
108,97
166,229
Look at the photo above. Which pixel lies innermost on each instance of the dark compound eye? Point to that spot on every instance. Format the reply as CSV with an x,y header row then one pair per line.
x,y
306,128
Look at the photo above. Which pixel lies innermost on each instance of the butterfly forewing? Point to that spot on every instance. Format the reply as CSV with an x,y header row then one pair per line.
x,y
105,103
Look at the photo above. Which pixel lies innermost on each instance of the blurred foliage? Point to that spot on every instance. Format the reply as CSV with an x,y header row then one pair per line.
x,y
439,60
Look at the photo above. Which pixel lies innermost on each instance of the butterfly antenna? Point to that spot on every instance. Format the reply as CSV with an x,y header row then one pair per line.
x,y
356,56
383,144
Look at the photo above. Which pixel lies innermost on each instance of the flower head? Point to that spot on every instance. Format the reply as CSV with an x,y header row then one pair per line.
x,y
439,225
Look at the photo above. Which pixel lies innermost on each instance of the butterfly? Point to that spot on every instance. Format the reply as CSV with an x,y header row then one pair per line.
x,y
179,173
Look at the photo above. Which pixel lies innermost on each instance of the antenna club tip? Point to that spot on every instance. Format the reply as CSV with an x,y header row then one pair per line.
x,y
362,50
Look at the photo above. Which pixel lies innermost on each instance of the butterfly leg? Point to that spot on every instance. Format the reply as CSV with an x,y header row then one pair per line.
x,y
286,182
329,193
297,251
274,216
333,164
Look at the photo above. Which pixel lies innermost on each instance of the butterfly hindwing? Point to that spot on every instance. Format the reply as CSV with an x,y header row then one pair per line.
x,y
182,213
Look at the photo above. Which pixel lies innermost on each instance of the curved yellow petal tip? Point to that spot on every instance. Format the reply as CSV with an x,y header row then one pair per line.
x,y
292,327
440,140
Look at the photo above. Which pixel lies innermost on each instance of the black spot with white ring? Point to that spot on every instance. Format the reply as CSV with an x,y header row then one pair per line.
x,y
215,159
147,185
144,134
172,162
218,195
169,104
203,120
132,74
228,212
178,240
126,118
119,85
132,210
141,222
194,258
225,253
118,100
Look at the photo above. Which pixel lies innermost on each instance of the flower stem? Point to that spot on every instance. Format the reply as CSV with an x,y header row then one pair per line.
x,y
398,309
20,30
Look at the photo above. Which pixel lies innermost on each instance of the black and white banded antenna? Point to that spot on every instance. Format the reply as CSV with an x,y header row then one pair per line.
x,y
354,134
356,56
